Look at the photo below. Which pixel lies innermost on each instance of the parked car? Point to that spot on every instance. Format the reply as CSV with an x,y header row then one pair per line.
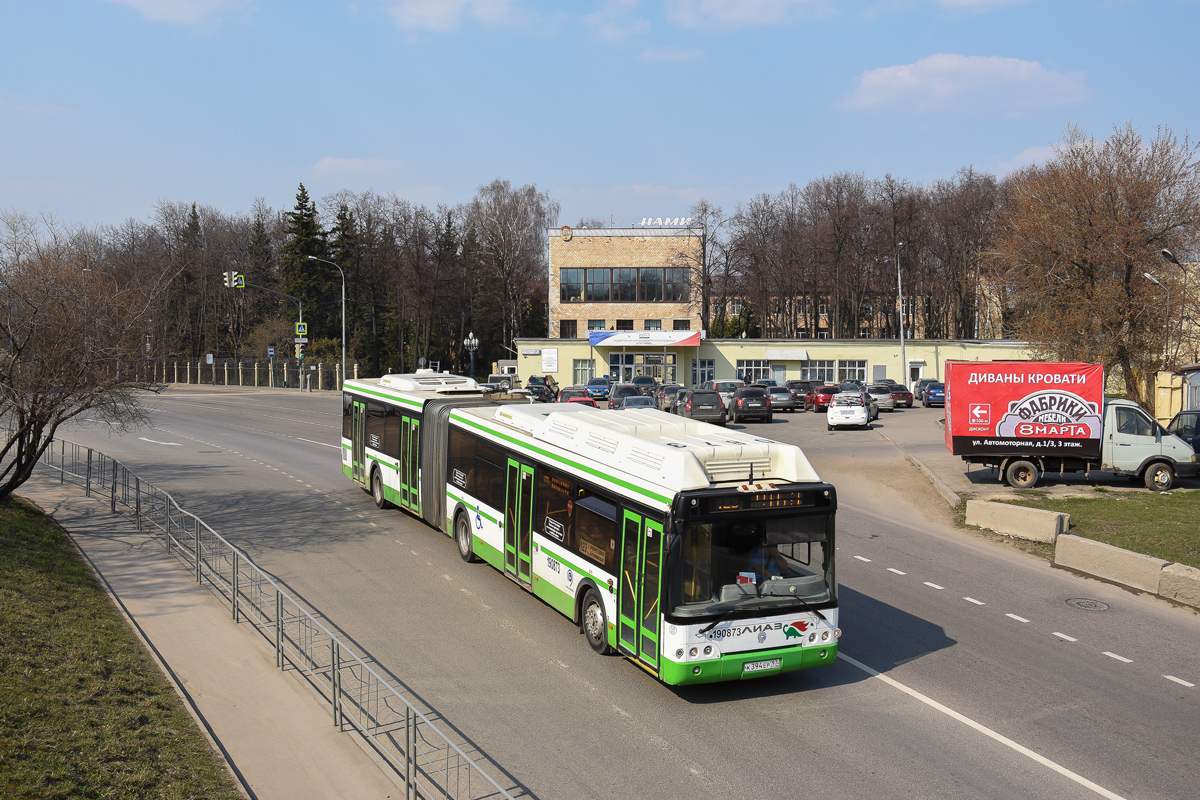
x,y
619,391
919,389
1186,425
848,409
851,386
882,394
799,389
750,402
782,399
597,388
701,404
934,395
632,401
503,381
572,391
587,401
818,397
543,380
725,388
540,393
646,384
766,382
665,395
901,396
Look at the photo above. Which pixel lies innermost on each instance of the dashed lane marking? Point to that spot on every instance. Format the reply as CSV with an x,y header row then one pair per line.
x,y
860,558
1064,636
1122,659
986,731
1180,681
898,572
976,602
933,585
1018,619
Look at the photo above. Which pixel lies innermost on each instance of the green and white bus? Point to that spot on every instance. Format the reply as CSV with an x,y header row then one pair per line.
x,y
699,553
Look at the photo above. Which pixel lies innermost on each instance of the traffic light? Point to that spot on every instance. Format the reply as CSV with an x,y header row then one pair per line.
x,y
229,279
300,350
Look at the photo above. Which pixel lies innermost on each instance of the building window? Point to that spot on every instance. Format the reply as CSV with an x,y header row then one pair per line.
x,y
753,369
864,333
802,333
599,285
650,285
624,285
652,325
595,324
822,334
736,306
570,288
817,371
567,329
703,369
682,325
852,370
675,285
582,369
624,324
822,308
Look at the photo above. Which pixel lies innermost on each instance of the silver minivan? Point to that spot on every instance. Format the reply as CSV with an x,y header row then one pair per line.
x,y
726,388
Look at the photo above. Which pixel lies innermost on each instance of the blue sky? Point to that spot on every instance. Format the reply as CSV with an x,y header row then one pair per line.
x,y
619,109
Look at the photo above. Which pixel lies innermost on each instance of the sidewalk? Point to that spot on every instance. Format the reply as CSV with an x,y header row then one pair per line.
x,y
277,738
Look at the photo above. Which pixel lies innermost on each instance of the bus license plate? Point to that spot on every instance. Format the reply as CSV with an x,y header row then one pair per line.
x,y
755,666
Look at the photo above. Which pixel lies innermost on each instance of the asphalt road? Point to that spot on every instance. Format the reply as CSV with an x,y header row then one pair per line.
x,y
966,672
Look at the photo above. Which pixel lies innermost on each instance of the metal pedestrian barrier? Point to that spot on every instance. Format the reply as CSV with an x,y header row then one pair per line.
x,y
431,764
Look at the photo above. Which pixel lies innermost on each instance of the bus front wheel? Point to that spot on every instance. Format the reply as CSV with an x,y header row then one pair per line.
x,y
595,622
462,537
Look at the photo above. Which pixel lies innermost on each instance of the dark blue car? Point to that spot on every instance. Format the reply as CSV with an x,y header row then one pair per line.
x,y
935,395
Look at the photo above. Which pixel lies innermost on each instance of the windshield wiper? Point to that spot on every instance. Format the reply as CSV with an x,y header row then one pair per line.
x,y
719,620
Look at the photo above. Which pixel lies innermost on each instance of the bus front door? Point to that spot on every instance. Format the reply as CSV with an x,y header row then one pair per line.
x,y
518,523
638,610
358,433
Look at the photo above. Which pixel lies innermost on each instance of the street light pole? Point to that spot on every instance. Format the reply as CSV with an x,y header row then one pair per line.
x,y
1167,338
472,344
900,294
343,274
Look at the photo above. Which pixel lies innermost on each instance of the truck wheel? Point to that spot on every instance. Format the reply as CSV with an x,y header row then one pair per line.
x,y
1159,477
1022,474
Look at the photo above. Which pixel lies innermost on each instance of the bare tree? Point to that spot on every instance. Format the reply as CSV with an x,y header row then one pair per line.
x,y
70,334
510,227
1077,236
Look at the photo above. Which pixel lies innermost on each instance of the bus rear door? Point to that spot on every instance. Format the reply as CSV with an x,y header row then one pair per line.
x,y
358,433
638,609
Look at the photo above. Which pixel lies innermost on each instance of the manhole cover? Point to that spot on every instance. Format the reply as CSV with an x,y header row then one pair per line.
x,y
1087,605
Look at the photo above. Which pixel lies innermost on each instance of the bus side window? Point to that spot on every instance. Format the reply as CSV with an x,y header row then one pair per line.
x,y
550,506
490,466
347,403
461,465
375,412
391,432
595,533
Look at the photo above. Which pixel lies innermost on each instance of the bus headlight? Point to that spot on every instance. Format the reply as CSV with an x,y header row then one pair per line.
x,y
824,636
708,649
693,652
679,654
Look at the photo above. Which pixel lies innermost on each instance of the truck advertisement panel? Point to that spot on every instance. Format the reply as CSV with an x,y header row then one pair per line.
x,y
1037,407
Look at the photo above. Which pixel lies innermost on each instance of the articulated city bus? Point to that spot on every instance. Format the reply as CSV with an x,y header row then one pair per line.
x,y
700,553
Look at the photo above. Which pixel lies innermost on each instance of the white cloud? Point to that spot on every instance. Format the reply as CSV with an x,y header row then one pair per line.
x,y
617,21
657,55
949,82
1038,154
725,14
449,15
357,166
979,5
188,12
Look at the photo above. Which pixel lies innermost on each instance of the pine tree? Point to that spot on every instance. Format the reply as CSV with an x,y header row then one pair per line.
x,y
304,237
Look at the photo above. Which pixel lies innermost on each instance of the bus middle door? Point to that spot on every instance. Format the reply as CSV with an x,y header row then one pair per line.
x,y
358,434
638,610
518,523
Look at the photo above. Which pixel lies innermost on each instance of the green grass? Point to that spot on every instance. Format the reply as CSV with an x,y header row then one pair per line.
x,y
1165,526
84,710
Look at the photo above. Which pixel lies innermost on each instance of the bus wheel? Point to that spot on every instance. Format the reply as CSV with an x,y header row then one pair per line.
x,y
377,490
1022,474
462,537
595,622
1159,477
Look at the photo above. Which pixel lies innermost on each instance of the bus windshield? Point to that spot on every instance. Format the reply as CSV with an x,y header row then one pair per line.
x,y
755,564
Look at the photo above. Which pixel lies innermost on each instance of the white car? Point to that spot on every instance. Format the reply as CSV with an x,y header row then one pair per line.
x,y
846,409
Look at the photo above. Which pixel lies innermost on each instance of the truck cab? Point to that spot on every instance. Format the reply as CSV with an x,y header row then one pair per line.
x,y
1135,444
